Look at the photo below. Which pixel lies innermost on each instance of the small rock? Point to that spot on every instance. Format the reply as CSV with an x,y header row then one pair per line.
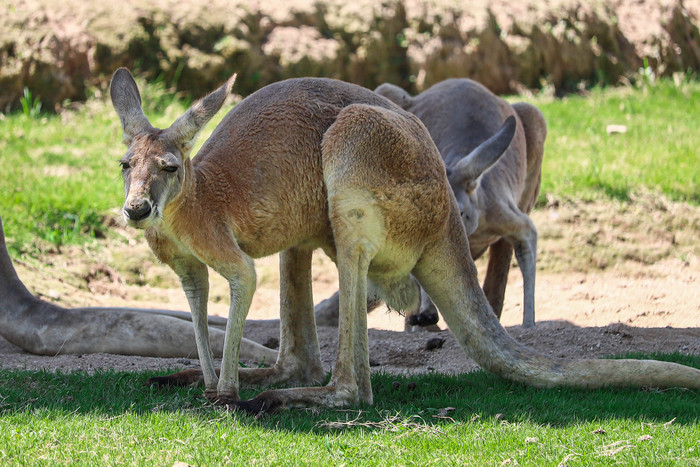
x,y
434,343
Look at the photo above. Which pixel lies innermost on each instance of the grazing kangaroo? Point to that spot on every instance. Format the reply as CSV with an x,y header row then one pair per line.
x,y
494,195
309,163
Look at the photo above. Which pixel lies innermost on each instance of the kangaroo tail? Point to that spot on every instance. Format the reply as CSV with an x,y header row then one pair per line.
x,y
448,274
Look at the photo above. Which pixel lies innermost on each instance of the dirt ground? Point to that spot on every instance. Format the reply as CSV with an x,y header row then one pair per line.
x,y
613,277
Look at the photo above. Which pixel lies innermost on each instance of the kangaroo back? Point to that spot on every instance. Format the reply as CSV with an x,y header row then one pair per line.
x,y
535,134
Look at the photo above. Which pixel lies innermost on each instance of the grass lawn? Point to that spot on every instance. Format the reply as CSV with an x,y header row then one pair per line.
x,y
658,151
476,419
61,176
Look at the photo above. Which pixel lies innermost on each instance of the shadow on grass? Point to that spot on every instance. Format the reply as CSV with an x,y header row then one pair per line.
x,y
612,191
433,399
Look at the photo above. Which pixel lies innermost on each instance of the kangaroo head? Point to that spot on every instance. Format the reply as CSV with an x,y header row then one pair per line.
x,y
395,94
464,176
157,163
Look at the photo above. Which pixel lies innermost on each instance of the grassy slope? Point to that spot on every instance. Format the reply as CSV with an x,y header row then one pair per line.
x,y
658,151
61,175
110,418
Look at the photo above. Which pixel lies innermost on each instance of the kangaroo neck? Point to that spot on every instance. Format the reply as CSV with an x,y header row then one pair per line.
x,y
185,206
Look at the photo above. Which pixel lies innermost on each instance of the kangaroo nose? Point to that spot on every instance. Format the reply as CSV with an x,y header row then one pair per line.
x,y
138,210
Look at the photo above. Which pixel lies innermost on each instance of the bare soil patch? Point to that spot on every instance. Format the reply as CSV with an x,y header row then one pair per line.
x,y
613,277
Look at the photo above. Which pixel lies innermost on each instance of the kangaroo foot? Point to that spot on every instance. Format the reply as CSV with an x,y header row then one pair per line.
x,y
292,375
424,318
281,399
285,374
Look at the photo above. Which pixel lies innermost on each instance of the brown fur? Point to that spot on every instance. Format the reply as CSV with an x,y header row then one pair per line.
x,y
317,163
494,196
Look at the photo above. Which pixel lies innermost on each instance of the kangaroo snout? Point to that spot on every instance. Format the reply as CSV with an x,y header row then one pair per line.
x,y
137,210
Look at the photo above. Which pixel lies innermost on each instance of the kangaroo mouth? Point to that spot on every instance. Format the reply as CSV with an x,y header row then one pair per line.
x,y
142,219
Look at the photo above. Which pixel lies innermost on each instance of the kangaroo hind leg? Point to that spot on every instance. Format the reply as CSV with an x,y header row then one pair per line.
x,y
524,240
500,255
358,230
358,239
299,360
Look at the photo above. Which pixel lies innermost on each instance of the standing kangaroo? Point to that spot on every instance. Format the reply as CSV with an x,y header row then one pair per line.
x,y
494,194
309,163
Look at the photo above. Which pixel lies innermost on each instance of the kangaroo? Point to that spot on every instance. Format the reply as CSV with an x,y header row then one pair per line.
x,y
43,328
494,199
317,163
494,196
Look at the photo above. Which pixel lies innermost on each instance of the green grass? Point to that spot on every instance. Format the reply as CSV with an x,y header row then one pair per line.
x,y
61,177
659,151
112,418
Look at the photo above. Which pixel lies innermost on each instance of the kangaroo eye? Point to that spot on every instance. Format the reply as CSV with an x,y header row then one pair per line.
x,y
170,168
124,165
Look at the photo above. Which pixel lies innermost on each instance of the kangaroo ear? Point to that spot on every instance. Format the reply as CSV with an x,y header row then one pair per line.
x,y
185,129
395,94
127,102
467,171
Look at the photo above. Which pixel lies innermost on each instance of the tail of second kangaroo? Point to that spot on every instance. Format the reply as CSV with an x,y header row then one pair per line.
x,y
449,276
